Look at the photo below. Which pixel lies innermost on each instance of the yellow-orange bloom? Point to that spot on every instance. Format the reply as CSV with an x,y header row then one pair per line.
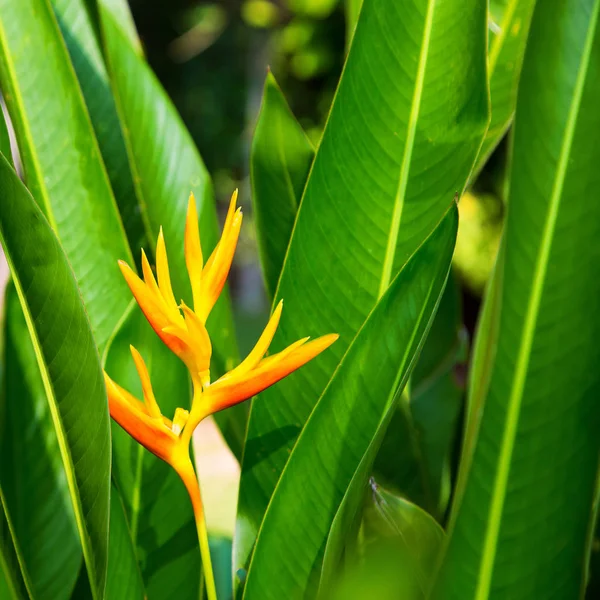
x,y
183,330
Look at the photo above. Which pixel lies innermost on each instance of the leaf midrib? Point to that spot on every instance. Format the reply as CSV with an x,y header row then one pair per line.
x,y
524,351
388,261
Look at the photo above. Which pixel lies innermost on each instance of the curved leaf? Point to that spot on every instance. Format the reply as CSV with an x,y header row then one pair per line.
x,y
280,159
167,167
62,163
356,405
45,532
521,527
157,505
79,33
68,362
406,124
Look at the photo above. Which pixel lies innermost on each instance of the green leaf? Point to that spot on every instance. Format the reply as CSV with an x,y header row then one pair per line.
x,y
68,362
121,15
526,495
80,36
167,167
413,534
62,163
415,456
406,124
156,502
511,20
12,584
280,160
356,405
45,532
124,579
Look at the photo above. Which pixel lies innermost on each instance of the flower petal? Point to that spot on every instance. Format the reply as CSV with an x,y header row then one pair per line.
x,y
217,268
193,250
229,391
261,346
149,399
164,278
147,301
152,433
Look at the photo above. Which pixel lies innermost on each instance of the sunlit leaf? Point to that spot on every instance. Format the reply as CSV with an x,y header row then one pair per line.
x,y
521,524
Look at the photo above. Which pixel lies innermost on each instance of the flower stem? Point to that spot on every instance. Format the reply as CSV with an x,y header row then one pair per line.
x,y
188,476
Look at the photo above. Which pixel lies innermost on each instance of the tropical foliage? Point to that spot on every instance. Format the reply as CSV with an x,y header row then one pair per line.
x,y
397,454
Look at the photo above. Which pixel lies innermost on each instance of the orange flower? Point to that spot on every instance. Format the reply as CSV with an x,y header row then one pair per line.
x,y
183,330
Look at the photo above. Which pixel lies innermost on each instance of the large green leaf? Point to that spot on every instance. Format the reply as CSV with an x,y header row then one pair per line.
x,y
68,362
167,167
522,525
280,159
45,532
79,33
406,124
156,502
356,405
61,160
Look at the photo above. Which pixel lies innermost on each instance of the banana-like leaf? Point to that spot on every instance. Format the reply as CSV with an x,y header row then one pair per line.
x,y
68,361
356,405
157,505
45,533
167,167
406,124
79,32
62,162
509,29
280,159
521,525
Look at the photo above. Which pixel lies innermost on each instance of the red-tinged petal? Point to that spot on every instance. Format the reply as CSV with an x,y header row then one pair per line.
x,y
149,399
262,345
227,392
152,433
115,388
147,301
193,250
177,339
